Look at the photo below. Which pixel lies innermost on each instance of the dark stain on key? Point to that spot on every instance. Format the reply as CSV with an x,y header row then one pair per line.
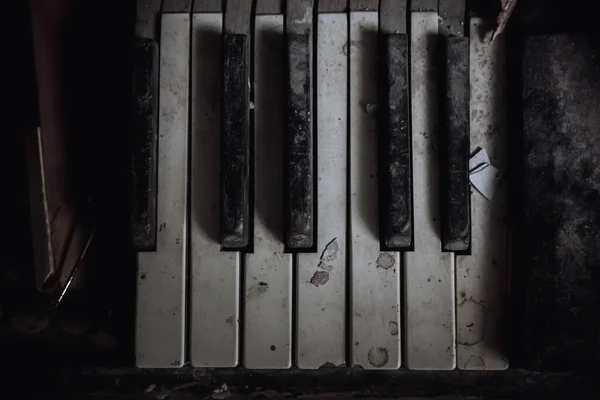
x,y
144,160
235,144
320,278
299,188
456,219
395,177
454,114
385,261
378,356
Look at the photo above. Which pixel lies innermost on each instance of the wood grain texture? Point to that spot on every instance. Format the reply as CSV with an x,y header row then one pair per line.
x,y
203,6
392,16
237,16
177,6
364,5
332,5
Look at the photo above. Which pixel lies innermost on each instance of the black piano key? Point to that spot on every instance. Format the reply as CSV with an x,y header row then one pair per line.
x,y
455,114
299,186
235,143
395,177
145,109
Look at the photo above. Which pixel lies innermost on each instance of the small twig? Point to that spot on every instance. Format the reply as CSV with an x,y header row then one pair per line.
x,y
76,268
507,8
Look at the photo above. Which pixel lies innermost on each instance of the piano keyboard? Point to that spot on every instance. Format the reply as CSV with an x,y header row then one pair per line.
x,y
311,205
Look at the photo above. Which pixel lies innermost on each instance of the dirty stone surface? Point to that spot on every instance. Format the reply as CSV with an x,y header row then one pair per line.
x,y
561,183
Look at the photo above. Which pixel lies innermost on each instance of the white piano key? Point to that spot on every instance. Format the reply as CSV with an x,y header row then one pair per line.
x,y
268,271
321,308
481,277
375,275
215,274
429,272
161,276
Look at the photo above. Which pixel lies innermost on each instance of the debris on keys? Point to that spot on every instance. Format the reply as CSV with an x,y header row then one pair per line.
x,y
483,175
507,8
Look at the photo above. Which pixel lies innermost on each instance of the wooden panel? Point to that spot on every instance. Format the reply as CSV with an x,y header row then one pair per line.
x,y
559,250
59,235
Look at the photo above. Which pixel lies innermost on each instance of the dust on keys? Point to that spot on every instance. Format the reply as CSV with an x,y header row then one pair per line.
x,y
324,228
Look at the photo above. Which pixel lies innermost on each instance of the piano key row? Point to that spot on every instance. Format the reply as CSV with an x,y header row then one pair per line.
x,y
363,274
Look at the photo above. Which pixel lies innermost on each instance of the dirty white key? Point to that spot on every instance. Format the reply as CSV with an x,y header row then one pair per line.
x,y
268,270
481,277
429,272
161,276
375,275
321,283
214,299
